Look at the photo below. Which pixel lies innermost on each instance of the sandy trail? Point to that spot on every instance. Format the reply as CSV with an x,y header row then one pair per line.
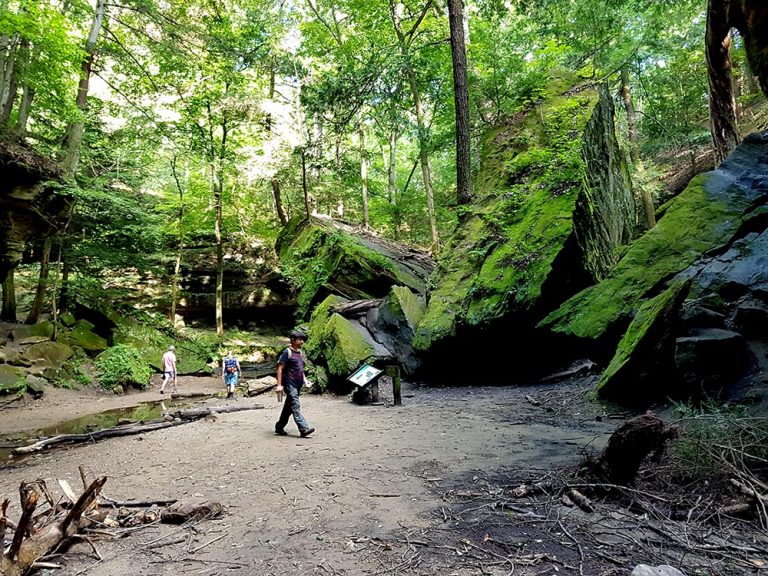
x,y
348,500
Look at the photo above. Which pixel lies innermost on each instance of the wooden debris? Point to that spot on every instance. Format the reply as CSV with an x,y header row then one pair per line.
x,y
178,395
630,444
184,511
26,550
580,500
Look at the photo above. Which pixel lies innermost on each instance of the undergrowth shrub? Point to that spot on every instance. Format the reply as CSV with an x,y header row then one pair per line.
x,y
721,439
122,366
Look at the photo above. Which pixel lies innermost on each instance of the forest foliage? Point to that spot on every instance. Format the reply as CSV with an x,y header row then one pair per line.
x,y
214,122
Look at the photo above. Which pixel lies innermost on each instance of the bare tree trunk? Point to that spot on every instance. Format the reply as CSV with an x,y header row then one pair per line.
x,y
403,42
76,129
24,107
304,180
645,194
180,249
217,193
391,167
629,108
12,89
282,216
364,177
42,284
722,105
461,101
64,293
8,312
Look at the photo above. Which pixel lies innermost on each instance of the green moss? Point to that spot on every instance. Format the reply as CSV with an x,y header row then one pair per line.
x,y
408,304
319,257
501,255
122,366
12,380
343,346
82,336
152,343
35,333
640,333
320,315
694,223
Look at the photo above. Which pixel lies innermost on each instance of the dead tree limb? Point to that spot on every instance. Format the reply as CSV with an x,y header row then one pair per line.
x,y
24,552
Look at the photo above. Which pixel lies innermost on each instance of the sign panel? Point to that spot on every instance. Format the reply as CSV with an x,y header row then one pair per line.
x,y
364,375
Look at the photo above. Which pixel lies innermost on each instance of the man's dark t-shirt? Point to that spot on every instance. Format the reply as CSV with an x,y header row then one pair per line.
x,y
293,369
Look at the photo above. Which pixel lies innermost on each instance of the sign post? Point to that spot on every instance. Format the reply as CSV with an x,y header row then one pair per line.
x,y
394,373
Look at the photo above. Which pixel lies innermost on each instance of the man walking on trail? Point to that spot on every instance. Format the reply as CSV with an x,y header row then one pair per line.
x,y
230,373
169,368
290,378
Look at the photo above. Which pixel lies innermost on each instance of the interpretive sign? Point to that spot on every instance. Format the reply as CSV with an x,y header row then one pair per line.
x,y
364,375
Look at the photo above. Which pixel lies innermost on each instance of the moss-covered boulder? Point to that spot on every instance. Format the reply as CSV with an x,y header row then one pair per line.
x,y
643,366
82,335
344,346
49,354
12,379
319,257
553,205
39,332
394,322
703,219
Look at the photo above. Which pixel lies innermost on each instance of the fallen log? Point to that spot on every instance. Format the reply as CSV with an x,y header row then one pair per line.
x,y
93,436
197,413
177,395
179,417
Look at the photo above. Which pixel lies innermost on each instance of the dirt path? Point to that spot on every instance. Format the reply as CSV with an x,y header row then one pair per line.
x,y
361,496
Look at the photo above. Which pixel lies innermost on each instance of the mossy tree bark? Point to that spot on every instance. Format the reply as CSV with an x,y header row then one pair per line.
x,y
722,105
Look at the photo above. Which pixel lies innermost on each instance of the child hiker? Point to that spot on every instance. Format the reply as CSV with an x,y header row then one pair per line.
x,y
230,373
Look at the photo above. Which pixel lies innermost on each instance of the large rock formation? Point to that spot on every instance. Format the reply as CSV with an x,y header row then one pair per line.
x,y
554,204
688,301
29,205
320,256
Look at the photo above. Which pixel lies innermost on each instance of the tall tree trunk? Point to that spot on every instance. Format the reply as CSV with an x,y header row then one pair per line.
x,y
646,199
304,180
629,108
26,103
42,284
722,105
76,129
364,177
276,194
391,167
403,43
12,90
64,292
218,187
180,249
8,311
461,101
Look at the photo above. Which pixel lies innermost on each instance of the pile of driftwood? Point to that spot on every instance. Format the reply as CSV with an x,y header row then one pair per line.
x,y
49,525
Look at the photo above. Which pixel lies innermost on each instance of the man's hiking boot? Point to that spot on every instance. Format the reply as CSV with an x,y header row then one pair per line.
x,y
281,432
307,432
